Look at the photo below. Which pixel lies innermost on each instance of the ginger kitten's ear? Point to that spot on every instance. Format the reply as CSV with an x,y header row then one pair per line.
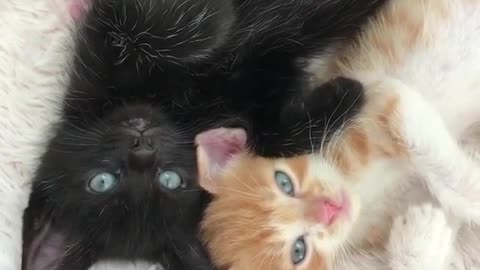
x,y
216,149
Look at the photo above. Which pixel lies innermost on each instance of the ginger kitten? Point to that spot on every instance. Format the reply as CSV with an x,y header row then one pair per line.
x,y
316,211
365,200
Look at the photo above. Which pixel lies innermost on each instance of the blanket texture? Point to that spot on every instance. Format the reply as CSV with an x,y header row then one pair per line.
x,y
33,56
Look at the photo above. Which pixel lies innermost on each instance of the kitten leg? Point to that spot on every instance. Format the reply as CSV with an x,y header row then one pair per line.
x,y
420,239
452,176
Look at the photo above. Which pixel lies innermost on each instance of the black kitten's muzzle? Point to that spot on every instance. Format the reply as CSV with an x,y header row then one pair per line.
x,y
141,154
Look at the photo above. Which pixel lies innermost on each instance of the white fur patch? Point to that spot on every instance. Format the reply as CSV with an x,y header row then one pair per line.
x,y
114,265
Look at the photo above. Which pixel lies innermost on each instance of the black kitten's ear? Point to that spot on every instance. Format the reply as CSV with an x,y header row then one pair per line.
x,y
216,149
337,99
43,248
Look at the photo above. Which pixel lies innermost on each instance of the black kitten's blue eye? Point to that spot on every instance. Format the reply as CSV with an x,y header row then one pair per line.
x,y
170,180
102,182
284,182
299,250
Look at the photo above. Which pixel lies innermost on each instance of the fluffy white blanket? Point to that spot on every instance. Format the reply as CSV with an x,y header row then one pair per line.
x,y
33,55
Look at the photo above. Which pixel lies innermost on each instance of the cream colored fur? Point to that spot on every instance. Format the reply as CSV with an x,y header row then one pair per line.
x,y
428,53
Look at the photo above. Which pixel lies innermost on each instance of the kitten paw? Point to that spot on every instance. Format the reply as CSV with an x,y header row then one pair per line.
x,y
417,122
420,239
336,98
308,121
333,103
431,147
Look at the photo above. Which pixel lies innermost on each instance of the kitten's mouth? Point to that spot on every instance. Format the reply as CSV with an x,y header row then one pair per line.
x,y
44,250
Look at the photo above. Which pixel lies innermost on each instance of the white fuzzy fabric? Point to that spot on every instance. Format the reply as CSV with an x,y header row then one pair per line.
x,y
33,36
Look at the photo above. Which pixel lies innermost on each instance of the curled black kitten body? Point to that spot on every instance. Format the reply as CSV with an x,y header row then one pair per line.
x,y
118,180
259,76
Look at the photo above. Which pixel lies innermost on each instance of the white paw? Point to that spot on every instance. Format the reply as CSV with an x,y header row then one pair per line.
x,y
421,124
420,239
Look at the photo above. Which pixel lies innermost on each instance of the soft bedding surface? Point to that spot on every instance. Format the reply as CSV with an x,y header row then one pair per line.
x,y
33,55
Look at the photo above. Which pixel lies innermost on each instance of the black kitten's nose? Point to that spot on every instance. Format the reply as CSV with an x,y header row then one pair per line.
x,y
142,152
142,143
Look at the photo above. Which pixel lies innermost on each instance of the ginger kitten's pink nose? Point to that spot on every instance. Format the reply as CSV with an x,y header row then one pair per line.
x,y
326,211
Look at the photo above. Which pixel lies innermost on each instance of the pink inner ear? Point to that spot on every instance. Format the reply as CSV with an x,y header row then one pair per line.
x,y
78,8
45,251
221,144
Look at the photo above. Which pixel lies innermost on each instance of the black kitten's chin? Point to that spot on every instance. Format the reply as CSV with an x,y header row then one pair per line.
x,y
44,251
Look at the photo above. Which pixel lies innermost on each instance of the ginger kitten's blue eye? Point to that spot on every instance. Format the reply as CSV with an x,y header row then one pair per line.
x,y
102,182
284,182
299,250
170,180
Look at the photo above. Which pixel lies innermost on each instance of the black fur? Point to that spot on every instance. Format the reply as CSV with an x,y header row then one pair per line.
x,y
259,72
147,76
113,123
139,218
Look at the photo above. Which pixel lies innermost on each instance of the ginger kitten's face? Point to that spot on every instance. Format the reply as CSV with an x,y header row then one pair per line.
x,y
270,214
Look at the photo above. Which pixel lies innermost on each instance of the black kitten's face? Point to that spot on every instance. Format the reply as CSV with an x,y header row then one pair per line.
x,y
133,162
123,185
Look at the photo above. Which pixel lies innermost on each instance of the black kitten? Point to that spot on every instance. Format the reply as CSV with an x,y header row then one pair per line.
x,y
118,180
